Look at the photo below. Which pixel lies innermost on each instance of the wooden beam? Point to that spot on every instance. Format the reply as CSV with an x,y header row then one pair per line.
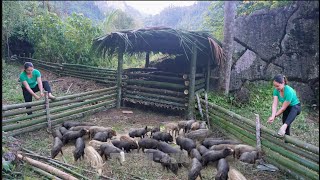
x,y
119,77
192,83
147,60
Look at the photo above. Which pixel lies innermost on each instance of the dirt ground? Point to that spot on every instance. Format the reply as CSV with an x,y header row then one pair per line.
x,y
136,164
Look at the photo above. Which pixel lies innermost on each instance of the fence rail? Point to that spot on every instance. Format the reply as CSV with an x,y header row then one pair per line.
x,y
16,121
295,156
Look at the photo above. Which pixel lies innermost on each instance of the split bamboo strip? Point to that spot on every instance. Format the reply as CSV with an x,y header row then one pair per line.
x,y
156,90
46,167
267,144
40,120
154,100
156,84
270,138
170,98
289,139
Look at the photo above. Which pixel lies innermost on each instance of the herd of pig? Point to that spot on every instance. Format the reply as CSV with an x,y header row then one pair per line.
x,y
157,147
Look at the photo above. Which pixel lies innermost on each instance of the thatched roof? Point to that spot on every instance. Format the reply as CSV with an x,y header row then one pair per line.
x,y
159,39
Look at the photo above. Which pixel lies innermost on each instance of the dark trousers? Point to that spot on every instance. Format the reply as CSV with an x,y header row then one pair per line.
x,y
289,115
28,97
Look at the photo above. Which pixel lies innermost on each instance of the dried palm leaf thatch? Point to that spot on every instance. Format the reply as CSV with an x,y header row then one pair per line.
x,y
158,39
217,51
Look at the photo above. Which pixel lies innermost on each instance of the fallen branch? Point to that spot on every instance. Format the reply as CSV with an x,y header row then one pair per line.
x,y
46,167
69,88
56,80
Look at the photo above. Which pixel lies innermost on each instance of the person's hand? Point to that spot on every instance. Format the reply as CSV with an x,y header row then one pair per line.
x,y
41,94
37,97
271,119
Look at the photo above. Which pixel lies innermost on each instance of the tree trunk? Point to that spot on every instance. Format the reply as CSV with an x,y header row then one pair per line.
x,y
8,45
225,69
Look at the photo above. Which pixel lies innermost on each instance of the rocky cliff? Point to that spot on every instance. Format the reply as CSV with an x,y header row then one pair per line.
x,y
283,40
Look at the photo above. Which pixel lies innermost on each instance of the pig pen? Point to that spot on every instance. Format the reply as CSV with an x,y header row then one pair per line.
x,y
136,166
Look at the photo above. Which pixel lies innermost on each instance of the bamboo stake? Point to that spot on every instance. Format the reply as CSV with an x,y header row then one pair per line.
x,y
69,88
199,106
258,132
193,70
207,108
119,78
49,129
46,167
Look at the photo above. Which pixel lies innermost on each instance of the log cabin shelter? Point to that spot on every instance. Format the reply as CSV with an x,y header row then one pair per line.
x,y
169,82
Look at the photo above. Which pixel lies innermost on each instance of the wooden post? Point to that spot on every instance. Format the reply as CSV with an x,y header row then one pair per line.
x,y
199,106
208,76
119,77
147,60
192,80
258,126
46,100
207,108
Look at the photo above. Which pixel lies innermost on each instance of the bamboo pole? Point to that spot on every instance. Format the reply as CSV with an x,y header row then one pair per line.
x,y
54,104
165,78
90,71
92,76
258,125
208,76
289,139
270,138
277,149
155,90
21,105
86,67
69,171
200,86
83,77
199,75
85,93
200,81
155,84
46,167
199,106
170,98
44,173
155,100
147,60
207,108
47,110
40,120
21,111
192,83
119,77
58,121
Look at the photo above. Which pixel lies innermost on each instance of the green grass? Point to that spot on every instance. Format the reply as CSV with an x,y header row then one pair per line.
x,y
11,88
260,103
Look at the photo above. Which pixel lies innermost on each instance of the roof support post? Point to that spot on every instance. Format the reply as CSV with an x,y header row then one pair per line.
x,y
119,77
208,75
192,79
147,60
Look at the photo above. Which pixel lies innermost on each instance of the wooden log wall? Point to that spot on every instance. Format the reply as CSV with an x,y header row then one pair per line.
x,y
158,88
16,121
296,157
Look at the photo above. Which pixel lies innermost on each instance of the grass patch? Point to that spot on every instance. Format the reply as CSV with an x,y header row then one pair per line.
x,y
261,102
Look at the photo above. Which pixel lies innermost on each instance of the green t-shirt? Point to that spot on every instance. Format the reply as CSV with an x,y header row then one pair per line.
x,y
31,81
289,95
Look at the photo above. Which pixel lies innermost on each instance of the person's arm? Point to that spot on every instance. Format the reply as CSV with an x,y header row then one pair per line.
x,y
283,108
274,109
26,85
40,85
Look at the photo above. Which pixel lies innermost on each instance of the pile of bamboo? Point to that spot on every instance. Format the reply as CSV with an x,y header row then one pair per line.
x,y
298,158
48,113
158,88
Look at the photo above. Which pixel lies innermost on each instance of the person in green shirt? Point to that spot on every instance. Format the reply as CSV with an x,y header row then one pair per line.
x,y
291,106
31,83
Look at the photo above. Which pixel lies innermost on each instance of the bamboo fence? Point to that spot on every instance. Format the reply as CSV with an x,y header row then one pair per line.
x,y
290,154
47,113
